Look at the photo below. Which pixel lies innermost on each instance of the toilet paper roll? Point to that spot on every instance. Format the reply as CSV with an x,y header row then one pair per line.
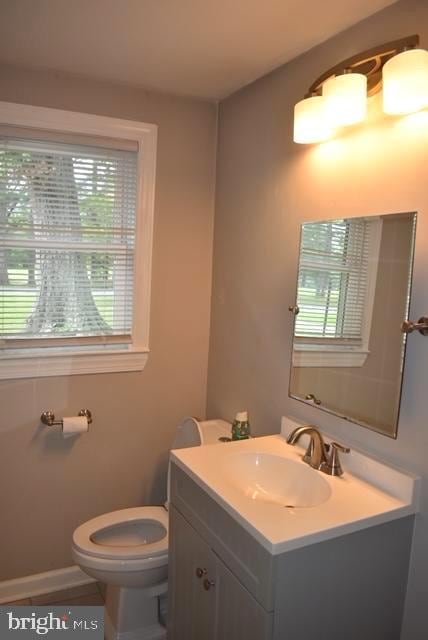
x,y
74,425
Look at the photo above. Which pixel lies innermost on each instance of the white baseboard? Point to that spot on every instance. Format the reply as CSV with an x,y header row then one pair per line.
x,y
39,583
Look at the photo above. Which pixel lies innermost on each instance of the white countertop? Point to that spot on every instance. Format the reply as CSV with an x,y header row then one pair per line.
x,y
373,493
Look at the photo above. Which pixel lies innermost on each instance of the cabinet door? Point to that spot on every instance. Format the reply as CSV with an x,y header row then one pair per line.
x,y
192,606
239,616
206,601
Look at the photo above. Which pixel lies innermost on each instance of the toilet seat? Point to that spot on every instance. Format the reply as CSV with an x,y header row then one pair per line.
x,y
139,533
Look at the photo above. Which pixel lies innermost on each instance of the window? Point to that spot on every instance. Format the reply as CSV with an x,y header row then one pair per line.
x,y
335,293
76,208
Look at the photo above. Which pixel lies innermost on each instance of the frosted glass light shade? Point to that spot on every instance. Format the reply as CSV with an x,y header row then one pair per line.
x,y
405,82
310,121
346,99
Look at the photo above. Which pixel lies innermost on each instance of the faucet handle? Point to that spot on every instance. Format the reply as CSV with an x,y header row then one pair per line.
x,y
334,468
340,447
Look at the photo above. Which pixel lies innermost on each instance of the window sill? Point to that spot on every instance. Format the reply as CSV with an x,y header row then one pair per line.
x,y
329,358
13,366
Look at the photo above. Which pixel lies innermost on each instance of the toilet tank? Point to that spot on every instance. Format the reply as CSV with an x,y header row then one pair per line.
x,y
194,433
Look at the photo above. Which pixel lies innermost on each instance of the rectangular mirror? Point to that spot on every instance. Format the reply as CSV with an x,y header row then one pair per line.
x,y
353,291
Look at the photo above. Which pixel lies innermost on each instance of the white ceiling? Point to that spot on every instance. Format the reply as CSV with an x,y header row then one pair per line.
x,y
201,48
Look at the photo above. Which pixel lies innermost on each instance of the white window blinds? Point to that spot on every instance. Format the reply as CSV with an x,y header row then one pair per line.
x,y
333,281
67,236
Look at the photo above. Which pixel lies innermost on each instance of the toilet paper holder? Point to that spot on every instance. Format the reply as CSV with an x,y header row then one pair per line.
x,y
48,418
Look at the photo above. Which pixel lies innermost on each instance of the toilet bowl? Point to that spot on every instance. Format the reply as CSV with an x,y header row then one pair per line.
x,y
127,547
128,551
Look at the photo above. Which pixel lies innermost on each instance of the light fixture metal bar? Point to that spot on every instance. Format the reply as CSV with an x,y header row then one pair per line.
x,y
368,62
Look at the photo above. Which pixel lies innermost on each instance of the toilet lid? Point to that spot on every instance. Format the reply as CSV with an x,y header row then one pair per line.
x,y
140,532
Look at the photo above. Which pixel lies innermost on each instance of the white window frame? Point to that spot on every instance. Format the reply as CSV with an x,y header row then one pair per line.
x,y
57,361
310,354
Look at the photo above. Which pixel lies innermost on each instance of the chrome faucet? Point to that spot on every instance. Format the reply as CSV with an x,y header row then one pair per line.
x,y
316,453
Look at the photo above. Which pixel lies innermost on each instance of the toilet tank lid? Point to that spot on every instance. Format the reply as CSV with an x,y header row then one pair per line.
x,y
191,432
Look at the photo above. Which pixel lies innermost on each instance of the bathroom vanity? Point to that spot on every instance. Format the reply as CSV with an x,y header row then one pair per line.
x,y
243,565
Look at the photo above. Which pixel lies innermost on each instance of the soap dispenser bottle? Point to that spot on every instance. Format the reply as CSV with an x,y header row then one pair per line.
x,y
241,426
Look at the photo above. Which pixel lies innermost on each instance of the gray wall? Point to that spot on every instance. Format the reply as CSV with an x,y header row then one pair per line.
x,y
266,187
48,485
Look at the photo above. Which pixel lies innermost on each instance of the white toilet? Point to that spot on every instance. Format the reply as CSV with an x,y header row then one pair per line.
x,y
128,550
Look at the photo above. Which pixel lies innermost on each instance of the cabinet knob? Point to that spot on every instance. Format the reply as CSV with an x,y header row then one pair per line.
x,y
200,572
208,584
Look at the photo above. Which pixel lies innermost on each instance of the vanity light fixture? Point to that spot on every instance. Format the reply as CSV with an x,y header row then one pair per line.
x,y
338,98
405,82
345,98
311,123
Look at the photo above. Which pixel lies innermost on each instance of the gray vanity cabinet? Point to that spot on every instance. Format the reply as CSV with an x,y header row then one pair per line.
x,y
207,601
352,586
192,606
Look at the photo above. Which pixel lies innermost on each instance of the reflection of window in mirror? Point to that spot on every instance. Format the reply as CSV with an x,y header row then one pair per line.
x,y
353,291
335,292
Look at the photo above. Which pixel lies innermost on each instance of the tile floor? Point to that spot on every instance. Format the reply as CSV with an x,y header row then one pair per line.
x,y
87,594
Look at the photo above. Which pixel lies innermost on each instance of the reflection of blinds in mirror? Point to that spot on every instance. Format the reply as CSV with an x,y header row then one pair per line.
x,y
333,279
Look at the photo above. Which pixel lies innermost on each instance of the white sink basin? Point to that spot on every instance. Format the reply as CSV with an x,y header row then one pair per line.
x,y
275,479
255,480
